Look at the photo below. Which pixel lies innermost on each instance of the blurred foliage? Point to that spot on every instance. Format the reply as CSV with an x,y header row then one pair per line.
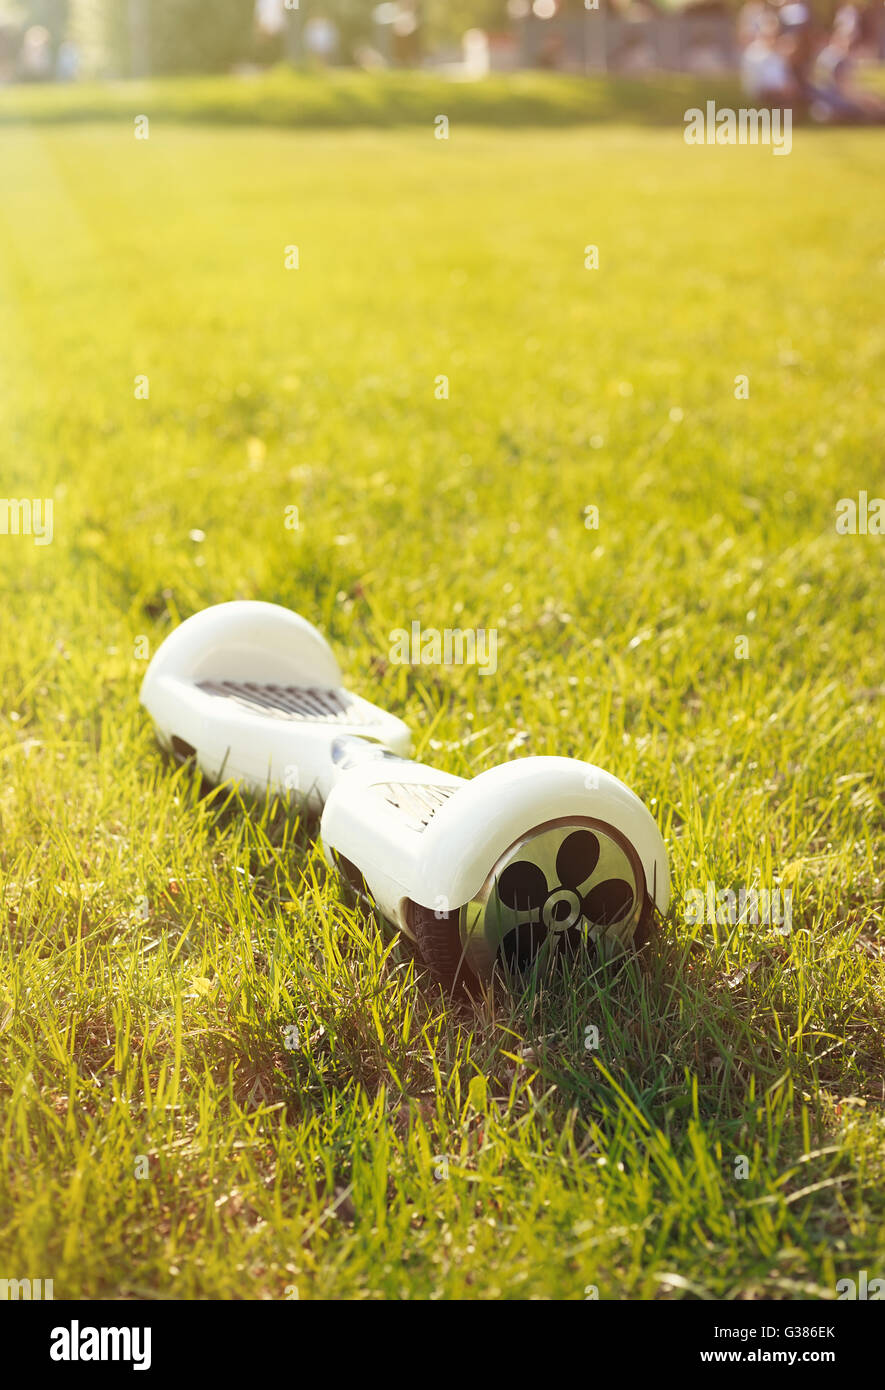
x,y
342,98
191,36
123,37
135,37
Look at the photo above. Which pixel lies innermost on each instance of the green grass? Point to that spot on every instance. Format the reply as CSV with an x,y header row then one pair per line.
x,y
345,98
157,944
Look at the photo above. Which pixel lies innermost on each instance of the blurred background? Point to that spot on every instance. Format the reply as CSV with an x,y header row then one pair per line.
x,y
69,40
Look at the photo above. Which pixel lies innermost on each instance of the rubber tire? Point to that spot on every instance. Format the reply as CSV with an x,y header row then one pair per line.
x,y
439,941
646,927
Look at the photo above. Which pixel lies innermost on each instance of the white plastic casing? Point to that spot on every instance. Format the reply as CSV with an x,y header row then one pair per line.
x,y
260,643
444,864
415,834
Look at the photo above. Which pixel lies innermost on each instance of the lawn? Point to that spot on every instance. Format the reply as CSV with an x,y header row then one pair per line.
x,y
725,1138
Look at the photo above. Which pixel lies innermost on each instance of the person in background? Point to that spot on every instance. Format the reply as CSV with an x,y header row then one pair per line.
x,y
798,44
846,22
766,75
861,24
751,20
835,96
67,63
35,57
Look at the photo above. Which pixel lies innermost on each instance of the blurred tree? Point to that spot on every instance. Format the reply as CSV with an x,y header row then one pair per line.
x,y
352,18
450,19
100,32
192,36
135,37
438,21
52,14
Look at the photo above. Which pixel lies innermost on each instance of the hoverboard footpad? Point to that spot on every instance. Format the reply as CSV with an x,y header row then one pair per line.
x,y
313,704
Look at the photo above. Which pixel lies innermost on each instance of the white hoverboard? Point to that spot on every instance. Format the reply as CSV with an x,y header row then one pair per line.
x,y
538,850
